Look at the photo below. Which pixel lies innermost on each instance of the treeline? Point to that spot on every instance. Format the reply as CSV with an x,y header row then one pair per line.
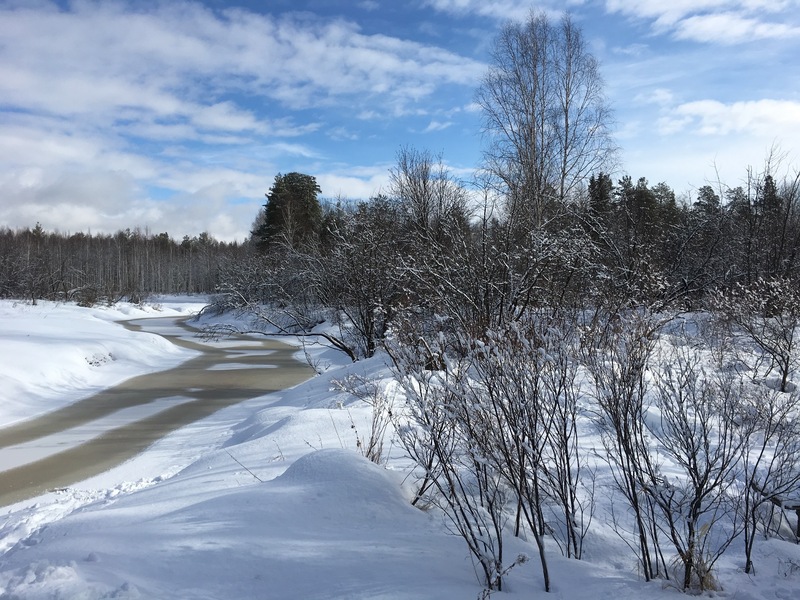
x,y
89,268
720,238
433,246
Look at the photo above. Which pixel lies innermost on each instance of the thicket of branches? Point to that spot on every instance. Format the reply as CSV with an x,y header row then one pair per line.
x,y
437,245
508,347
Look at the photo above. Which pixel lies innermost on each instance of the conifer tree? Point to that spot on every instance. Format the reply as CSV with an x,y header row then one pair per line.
x,y
293,214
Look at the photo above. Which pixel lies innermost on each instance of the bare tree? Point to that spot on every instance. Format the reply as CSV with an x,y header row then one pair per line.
x,y
525,393
569,482
510,397
509,421
441,264
771,460
545,114
618,353
360,276
697,432
767,312
431,200
435,432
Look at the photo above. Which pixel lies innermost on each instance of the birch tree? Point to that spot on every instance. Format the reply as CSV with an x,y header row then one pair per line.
x,y
546,116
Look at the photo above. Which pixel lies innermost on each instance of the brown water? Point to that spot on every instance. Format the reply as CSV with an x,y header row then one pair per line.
x,y
243,376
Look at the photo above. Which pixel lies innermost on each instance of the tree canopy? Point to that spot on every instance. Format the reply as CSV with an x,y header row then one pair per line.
x,y
546,116
292,214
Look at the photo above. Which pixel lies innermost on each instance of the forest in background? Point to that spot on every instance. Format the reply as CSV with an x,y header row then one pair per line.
x,y
102,268
629,240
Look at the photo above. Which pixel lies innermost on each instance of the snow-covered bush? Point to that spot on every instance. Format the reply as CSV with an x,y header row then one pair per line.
x,y
617,353
435,431
501,413
767,313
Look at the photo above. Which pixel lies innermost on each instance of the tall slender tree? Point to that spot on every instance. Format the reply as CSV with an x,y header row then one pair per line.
x,y
546,116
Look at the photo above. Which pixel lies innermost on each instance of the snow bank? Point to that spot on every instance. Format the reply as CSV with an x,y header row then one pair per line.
x,y
333,526
54,353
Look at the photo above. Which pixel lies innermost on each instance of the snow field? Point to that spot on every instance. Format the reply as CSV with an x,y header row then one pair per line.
x,y
271,499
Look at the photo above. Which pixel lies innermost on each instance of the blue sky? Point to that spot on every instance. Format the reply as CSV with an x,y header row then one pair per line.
x,y
176,116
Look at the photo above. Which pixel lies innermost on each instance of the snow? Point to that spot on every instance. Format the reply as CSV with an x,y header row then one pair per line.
x,y
54,354
269,498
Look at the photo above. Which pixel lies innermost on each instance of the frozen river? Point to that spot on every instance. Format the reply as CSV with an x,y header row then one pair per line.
x,y
63,447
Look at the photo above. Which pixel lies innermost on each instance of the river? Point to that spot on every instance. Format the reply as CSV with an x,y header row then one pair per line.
x,y
86,438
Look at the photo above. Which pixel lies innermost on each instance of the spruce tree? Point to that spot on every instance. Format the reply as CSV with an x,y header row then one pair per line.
x,y
292,215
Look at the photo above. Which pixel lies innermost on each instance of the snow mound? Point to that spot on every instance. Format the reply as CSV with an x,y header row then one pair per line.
x,y
333,525
44,580
343,476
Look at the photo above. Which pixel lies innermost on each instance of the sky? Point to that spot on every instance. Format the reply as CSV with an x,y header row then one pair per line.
x,y
177,116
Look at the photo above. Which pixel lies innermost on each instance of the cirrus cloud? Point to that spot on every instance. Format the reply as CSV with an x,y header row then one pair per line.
x,y
716,21
502,10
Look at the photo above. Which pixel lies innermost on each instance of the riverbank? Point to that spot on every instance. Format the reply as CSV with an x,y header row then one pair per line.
x,y
92,435
55,353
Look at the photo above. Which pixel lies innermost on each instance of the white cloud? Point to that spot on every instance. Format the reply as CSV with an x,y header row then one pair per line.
x,y
292,149
342,133
107,201
657,96
502,10
174,59
731,28
355,183
227,117
104,102
665,14
437,126
632,50
707,140
715,21
770,118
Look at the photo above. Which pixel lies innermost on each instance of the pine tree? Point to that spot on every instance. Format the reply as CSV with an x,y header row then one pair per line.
x,y
292,215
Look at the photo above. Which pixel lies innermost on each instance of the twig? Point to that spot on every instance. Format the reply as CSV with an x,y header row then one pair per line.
x,y
245,468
